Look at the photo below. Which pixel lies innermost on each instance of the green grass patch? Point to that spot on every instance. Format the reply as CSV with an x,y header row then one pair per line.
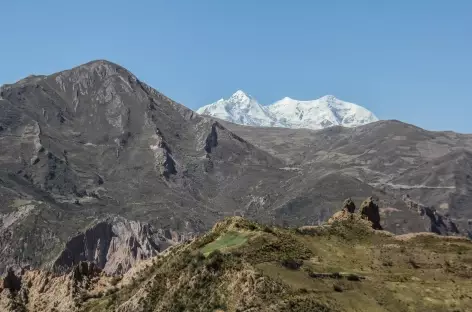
x,y
227,240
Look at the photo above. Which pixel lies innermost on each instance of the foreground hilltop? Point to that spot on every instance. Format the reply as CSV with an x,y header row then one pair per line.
x,y
244,266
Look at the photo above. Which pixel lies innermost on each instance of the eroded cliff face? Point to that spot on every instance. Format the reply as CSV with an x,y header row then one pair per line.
x,y
439,223
115,245
46,291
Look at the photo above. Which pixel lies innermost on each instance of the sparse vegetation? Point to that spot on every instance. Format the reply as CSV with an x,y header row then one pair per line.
x,y
413,263
227,240
291,263
115,280
345,266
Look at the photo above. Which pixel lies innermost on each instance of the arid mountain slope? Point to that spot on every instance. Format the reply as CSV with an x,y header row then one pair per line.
x,y
95,142
433,168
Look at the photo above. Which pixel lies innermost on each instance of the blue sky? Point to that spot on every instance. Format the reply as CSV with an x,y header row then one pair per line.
x,y
406,60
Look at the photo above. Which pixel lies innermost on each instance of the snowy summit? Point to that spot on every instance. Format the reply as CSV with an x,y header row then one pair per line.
x,y
324,112
242,109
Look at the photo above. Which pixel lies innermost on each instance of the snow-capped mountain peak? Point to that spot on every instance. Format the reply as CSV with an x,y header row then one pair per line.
x,y
240,96
328,97
239,108
324,112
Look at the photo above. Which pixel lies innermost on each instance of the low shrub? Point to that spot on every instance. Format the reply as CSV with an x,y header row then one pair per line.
x,y
292,264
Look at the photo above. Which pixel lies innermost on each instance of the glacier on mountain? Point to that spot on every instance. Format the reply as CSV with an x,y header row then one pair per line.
x,y
324,112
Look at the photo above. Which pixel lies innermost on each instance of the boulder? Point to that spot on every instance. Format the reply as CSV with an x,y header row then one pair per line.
x,y
348,208
349,205
11,281
370,210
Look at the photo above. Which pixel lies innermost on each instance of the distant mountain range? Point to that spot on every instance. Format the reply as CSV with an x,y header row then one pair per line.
x,y
324,112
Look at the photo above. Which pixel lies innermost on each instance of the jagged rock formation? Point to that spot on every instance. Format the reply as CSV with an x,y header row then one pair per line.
x,y
212,138
84,270
349,205
439,224
370,210
11,281
340,216
115,245
45,291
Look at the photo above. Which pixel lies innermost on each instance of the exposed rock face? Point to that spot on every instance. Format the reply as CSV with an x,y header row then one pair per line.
x,y
164,164
11,281
84,270
44,291
212,139
439,224
346,212
370,210
339,216
349,205
114,245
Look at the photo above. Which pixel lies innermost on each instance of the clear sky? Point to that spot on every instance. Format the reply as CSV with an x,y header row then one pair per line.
x,y
406,60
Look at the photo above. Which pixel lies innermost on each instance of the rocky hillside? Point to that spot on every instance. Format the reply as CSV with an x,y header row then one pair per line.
x,y
95,165
95,143
240,265
396,159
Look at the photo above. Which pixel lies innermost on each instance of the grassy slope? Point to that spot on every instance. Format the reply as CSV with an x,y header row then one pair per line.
x,y
225,241
251,272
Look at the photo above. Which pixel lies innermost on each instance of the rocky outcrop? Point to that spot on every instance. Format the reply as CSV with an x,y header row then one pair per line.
x,y
11,281
84,271
212,138
349,205
440,224
164,163
346,212
370,210
339,216
45,291
114,245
